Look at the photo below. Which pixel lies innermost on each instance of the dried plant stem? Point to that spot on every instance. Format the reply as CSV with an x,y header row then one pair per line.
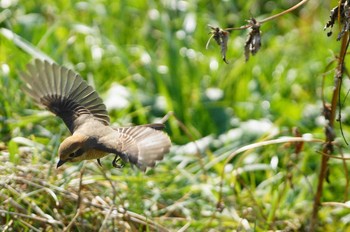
x,y
249,147
79,200
329,128
32,217
271,17
189,135
71,223
284,12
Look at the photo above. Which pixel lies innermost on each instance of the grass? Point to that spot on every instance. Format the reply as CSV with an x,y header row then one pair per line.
x,y
228,179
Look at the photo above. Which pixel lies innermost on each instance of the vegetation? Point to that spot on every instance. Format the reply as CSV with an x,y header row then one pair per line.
x,y
248,136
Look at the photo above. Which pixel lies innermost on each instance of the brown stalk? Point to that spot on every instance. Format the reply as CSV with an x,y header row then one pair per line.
x,y
329,130
271,17
79,200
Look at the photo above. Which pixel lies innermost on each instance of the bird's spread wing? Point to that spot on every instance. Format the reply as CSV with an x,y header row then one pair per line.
x,y
156,126
64,93
140,145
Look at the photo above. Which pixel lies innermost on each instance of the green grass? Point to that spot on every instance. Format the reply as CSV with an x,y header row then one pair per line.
x,y
162,62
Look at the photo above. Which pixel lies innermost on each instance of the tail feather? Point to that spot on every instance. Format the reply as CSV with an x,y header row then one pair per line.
x,y
142,145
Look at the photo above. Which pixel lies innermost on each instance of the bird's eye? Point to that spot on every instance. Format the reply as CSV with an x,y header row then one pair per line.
x,y
71,155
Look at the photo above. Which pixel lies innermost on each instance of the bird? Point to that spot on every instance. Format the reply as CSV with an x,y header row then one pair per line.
x,y
66,94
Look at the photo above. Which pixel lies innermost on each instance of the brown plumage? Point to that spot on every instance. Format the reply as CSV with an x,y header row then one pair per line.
x,y
67,95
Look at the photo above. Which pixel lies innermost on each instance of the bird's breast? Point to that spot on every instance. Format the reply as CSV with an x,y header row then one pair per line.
x,y
93,154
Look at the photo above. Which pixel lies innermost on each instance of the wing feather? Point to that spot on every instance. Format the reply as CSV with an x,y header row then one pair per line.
x,y
64,93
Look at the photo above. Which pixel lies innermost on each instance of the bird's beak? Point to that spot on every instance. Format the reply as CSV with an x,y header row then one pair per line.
x,y
60,163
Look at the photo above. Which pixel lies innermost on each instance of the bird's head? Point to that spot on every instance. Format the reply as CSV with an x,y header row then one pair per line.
x,y
71,149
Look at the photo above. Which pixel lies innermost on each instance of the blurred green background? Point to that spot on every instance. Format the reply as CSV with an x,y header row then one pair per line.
x,y
148,58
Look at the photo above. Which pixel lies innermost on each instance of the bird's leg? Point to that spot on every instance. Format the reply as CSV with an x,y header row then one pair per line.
x,y
116,161
99,162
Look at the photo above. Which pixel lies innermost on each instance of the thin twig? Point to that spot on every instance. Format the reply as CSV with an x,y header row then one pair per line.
x,y
185,227
79,200
104,223
28,201
189,135
284,12
7,226
35,218
32,228
346,171
269,18
68,228
80,187
337,204
334,157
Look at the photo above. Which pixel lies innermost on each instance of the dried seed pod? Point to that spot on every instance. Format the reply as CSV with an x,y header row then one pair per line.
x,y
221,38
345,19
343,12
330,23
253,42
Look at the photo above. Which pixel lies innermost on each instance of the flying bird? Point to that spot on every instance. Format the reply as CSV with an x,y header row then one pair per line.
x,y
67,95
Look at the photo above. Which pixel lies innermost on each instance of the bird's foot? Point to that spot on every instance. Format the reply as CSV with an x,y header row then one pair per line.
x,y
117,162
99,162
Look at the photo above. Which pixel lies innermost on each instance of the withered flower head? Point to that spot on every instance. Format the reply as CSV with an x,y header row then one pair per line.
x,y
221,38
343,12
253,42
